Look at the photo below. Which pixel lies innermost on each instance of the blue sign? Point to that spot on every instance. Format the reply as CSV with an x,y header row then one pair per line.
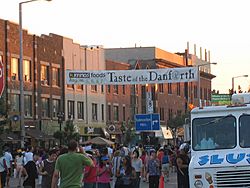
x,y
147,122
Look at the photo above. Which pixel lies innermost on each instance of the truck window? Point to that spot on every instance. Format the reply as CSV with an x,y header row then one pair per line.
x,y
212,133
244,131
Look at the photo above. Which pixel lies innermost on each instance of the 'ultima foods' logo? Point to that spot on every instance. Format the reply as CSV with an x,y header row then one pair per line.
x,y
86,75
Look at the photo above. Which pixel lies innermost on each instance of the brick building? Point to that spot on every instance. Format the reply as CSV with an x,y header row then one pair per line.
x,y
118,103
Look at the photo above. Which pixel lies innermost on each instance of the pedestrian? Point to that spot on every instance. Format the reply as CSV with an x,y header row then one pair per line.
x,y
137,165
47,168
116,163
69,167
165,166
3,169
126,175
28,155
104,173
18,162
9,159
182,162
153,170
30,172
90,173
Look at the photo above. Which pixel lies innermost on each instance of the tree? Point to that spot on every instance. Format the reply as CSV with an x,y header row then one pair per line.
x,y
128,132
178,121
68,133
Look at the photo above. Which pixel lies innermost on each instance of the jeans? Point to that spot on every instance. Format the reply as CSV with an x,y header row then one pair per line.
x,y
89,185
154,181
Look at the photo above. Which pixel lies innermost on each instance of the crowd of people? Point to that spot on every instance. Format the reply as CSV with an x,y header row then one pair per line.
x,y
95,167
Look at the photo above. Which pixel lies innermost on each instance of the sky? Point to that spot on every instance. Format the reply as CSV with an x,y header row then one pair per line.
x,y
220,26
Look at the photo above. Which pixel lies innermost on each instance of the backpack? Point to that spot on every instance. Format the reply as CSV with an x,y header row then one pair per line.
x,y
165,159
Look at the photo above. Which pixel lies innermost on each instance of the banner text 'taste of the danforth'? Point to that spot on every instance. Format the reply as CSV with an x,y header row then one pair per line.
x,y
122,77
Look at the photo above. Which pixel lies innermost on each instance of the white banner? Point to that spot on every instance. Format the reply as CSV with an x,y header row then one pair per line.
x,y
143,76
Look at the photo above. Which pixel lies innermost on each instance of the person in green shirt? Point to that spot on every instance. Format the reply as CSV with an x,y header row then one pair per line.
x,y
69,167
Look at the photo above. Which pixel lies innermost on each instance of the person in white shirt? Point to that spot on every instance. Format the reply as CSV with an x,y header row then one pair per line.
x,y
28,155
9,159
137,164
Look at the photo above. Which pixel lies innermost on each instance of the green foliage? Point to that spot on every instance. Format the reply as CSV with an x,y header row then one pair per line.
x,y
128,132
67,134
178,121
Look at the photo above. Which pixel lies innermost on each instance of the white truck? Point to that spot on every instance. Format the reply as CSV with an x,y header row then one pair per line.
x,y
220,145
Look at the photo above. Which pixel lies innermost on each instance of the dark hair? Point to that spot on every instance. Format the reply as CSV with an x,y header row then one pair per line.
x,y
52,151
72,145
128,165
137,153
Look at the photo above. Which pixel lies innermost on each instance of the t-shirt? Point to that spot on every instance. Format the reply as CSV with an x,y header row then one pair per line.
x,y
70,166
31,169
137,164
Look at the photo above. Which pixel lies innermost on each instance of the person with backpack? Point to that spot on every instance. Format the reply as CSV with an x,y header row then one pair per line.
x,y
165,166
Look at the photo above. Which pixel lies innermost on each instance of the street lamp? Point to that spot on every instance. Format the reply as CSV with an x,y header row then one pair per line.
x,y
60,116
233,81
199,80
21,71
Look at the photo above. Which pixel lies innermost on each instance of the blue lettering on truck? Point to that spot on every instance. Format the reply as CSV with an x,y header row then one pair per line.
x,y
230,158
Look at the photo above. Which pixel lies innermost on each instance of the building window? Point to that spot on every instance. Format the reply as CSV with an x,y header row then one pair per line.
x,y
102,112
56,107
170,88
27,105
123,113
195,92
94,88
162,114
14,69
161,88
201,93
143,92
123,89
15,103
79,87
109,112
170,114
71,86
27,71
179,112
55,76
205,93
108,88
44,75
94,112
45,108
80,110
102,88
178,89
115,89
116,113
71,109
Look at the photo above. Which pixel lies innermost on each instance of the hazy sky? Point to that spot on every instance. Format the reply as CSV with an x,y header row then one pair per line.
x,y
221,26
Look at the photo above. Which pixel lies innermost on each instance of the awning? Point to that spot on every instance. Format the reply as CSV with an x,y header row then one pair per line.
x,y
167,134
10,137
39,135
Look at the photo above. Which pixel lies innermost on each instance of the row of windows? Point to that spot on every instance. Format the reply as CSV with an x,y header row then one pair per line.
x,y
116,116
80,111
170,114
56,106
46,77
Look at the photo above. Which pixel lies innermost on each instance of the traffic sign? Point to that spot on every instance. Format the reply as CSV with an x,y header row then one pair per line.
x,y
147,122
1,78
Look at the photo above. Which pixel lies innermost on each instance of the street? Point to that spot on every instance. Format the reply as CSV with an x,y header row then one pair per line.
x,y
171,184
